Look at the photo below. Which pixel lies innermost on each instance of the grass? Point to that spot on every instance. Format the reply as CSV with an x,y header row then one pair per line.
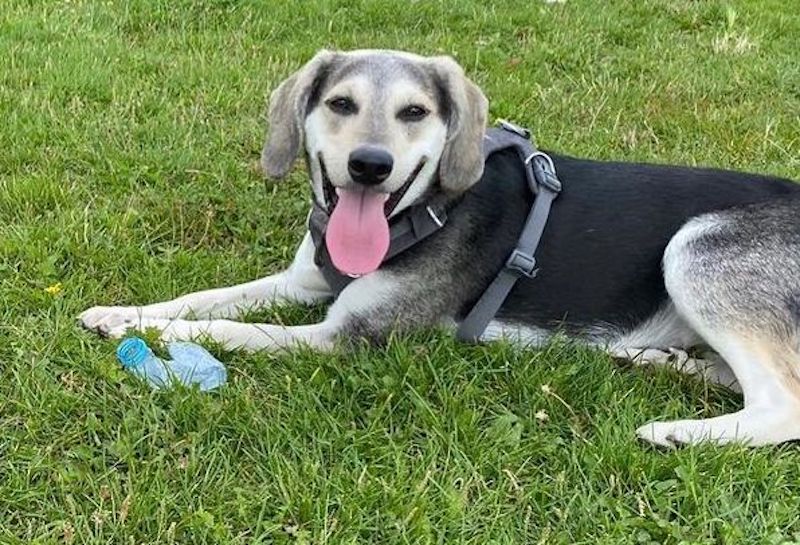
x,y
130,133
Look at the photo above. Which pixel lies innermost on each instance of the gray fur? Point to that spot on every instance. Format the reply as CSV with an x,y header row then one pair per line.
x,y
793,304
739,268
380,67
462,160
287,109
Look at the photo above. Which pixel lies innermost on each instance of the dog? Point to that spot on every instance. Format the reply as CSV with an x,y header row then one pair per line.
x,y
644,261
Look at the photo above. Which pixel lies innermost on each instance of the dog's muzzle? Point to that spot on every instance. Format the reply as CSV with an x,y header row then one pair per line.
x,y
329,190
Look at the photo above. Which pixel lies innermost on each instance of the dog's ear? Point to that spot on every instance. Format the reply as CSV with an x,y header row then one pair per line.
x,y
461,164
288,106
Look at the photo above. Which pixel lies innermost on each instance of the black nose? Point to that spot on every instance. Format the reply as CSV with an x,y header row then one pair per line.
x,y
369,165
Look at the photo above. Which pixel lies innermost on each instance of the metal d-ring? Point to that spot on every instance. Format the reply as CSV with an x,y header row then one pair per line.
x,y
543,156
439,223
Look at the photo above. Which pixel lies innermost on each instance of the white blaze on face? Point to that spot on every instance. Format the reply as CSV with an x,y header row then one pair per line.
x,y
334,136
412,142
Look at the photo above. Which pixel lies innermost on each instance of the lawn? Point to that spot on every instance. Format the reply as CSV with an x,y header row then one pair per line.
x,y
129,144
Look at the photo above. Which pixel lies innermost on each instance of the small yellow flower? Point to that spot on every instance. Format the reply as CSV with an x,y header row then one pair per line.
x,y
546,389
541,416
55,289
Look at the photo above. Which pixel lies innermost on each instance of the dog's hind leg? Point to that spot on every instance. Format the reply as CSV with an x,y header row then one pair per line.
x,y
710,367
302,282
772,408
734,276
663,341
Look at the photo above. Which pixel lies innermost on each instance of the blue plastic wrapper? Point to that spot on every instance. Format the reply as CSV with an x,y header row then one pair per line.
x,y
190,364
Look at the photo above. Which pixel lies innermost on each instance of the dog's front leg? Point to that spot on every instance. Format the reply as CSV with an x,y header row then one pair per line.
x,y
302,282
364,301
238,335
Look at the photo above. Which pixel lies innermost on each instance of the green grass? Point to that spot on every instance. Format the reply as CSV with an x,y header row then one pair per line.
x,y
129,134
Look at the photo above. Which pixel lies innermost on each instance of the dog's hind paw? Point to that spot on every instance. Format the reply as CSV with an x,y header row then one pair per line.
x,y
691,432
751,426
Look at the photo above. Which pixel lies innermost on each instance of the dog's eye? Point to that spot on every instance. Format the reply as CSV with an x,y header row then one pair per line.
x,y
412,113
342,105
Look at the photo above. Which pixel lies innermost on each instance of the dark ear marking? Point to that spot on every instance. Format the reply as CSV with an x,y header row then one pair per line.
x,y
442,98
316,87
289,104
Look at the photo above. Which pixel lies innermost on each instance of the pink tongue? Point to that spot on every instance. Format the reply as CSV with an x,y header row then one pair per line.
x,y
358,233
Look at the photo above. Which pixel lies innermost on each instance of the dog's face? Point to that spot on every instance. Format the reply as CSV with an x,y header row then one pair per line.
x,y
380,129
385,137
385,120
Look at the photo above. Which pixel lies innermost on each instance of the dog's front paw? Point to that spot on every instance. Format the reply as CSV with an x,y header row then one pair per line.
x,y
109,321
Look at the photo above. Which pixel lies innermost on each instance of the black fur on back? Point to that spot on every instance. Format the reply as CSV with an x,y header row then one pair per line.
x,y
600,256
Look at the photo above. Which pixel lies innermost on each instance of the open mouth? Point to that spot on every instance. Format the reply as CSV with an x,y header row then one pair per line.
x,y
331,198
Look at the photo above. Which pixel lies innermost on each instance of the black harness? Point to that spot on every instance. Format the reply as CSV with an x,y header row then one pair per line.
x,y
420,221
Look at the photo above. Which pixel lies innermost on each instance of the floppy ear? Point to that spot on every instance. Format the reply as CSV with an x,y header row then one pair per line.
x,y
461,164
288,106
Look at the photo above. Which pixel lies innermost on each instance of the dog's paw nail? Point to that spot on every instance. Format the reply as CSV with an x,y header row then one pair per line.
x,y
677,439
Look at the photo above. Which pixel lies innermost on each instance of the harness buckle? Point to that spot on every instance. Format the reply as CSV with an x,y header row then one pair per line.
x,y
509,126
550,181
544,170
522,263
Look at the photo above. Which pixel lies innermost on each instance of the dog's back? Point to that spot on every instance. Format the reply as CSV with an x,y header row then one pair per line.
x,y
601,255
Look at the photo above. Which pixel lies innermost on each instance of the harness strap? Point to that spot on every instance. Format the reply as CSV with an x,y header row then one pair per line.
x,y
509,135
418,224
542,180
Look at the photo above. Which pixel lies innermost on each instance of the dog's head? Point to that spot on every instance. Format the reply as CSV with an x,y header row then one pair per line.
x,y
380,128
